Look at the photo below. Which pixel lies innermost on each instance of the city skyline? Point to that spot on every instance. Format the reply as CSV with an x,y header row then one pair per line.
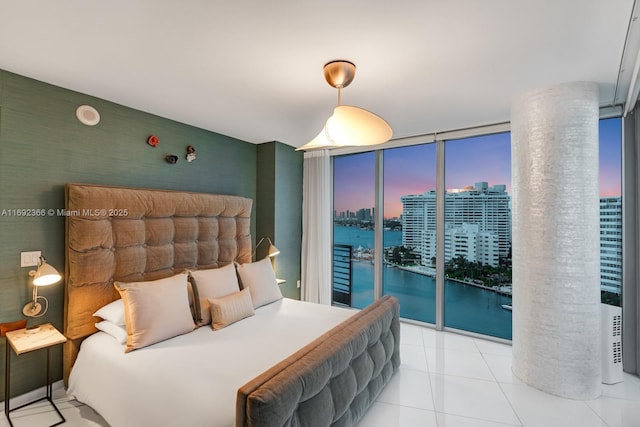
x,y
487,158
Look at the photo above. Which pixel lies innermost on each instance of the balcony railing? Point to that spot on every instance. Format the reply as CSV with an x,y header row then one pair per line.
x,y
342,274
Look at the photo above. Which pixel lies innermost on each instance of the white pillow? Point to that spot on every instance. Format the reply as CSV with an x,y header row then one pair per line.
x,y
156,310
214,283
113,312
260,278
231,308
116,331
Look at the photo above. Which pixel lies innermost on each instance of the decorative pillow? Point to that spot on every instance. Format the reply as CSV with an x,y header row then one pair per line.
x,y
260,278
213,283
231,308
113,312
155,310
116,331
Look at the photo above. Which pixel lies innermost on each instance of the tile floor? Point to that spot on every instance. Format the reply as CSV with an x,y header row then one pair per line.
x,y
446,380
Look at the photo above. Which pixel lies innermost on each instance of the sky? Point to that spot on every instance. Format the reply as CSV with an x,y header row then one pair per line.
x,y
412,170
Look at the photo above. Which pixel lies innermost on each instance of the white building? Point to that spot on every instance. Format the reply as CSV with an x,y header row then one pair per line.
x,y
486,207
466,241
413,214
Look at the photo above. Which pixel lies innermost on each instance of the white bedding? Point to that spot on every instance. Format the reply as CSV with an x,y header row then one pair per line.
x,y
192,380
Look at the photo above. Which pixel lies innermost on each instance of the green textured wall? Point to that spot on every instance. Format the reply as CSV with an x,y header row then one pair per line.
x,y
43,146
265,200
279,209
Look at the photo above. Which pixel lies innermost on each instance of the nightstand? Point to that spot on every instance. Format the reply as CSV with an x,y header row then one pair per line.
x,y
24,341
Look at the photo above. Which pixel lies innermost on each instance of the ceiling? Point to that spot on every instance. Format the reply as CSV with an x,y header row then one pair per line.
x,y
252,69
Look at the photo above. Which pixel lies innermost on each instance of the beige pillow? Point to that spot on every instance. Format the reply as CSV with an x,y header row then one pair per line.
x,y
156,310
260,278
231,308
213,283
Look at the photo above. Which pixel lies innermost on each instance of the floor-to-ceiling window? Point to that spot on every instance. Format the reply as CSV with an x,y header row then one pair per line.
x,y
477,235
409,229
477,227
353,227
611,210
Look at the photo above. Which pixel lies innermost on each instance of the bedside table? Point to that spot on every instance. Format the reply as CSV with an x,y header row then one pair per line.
x,y
24,341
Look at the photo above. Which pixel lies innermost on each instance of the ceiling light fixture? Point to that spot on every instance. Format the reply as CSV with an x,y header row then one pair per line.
x,y
349,125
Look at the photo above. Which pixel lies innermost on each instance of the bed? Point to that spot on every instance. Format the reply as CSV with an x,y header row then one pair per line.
x,y
287,363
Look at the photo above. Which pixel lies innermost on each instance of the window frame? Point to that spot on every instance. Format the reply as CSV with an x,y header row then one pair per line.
x,y
439,139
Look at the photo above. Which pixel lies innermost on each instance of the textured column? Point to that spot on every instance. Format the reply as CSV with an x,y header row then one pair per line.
x,y
556,240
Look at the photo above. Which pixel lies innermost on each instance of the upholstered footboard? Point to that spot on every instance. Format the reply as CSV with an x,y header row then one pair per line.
x,y
333,380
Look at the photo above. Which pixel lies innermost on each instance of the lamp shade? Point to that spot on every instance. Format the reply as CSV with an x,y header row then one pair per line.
x,y
351,126
46,275
273,251
355,126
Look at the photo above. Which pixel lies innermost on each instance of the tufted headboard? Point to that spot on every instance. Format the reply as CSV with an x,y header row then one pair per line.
x,y
128,234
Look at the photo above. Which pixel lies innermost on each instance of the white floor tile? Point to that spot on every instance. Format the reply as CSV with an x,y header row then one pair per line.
x,y
439,339
472,398
410,334
447,420
538,409
491,347
617,412
386,415
629,388
408,388
42,414
500,367
413,357
459,363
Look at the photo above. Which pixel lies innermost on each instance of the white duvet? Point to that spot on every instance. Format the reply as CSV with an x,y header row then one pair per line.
x,y
192,380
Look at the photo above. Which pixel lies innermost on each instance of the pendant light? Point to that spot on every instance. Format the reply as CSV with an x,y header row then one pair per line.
x,y
349,125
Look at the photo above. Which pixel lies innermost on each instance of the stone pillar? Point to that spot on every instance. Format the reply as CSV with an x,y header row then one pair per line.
x,y
556,240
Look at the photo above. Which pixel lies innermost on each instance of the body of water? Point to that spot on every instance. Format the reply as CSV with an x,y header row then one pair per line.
x,y
466,307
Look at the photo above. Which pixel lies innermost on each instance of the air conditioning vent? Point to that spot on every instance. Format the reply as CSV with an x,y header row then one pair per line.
x,y
611,344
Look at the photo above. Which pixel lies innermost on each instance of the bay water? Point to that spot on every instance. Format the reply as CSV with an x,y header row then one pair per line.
x,y
466,307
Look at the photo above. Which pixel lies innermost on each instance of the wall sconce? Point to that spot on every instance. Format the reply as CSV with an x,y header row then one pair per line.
x,y
45,275
273,251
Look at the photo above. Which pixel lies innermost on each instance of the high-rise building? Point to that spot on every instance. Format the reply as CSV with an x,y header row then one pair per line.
x,y
611,244
413,214
364,214
466,241
481,205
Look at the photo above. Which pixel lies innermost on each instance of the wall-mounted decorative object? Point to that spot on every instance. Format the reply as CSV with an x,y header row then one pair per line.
x,y
88,115
153,140
191,153
172,158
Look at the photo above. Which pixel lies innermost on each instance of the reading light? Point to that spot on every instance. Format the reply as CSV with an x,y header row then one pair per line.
x,y
45,275
349,125
273,251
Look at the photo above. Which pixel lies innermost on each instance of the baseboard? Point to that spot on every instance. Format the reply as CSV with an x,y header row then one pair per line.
x,y
33,395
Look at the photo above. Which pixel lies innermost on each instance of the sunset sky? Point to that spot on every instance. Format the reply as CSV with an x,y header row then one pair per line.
x,y
412,170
